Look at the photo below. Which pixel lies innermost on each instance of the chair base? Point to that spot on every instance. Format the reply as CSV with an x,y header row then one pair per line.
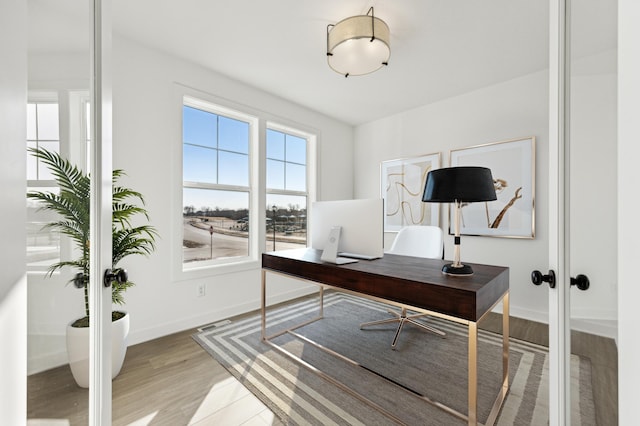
x,y
402,318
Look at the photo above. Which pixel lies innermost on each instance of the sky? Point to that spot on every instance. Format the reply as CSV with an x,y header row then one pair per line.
x,y
216,151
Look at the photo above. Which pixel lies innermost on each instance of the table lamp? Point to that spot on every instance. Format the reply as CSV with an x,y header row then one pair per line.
x,y
458,185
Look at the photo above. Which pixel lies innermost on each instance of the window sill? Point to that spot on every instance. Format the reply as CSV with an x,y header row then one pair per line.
x,y
215,270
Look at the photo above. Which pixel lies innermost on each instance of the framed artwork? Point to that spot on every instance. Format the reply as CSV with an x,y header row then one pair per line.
x,y
401,186
512,165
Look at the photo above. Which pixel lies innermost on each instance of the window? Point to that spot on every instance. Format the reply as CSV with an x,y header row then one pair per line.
x,y
43,246
50,115
234,164
43,131
216,191
286,188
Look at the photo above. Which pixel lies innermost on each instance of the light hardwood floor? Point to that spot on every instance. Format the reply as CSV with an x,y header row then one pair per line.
x,y
172,381
166,381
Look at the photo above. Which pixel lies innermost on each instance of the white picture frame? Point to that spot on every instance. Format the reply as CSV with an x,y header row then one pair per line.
x,y
512,165
401,186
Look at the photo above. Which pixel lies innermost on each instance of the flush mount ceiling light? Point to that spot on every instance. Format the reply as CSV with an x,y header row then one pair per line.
x,y
358,45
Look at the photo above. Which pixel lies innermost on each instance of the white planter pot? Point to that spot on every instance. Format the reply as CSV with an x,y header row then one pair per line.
x,y
78,349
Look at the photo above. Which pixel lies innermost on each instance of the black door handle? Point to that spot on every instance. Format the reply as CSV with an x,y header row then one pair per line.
x,y
580,281
538,278
111,275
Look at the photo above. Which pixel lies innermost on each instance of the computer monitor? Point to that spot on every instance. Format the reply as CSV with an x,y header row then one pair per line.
x,y
361,222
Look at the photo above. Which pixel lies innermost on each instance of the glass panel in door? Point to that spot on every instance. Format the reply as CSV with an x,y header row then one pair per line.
x,y
592,217
58,102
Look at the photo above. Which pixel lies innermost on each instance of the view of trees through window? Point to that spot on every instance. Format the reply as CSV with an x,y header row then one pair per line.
x,y
286,223
215,233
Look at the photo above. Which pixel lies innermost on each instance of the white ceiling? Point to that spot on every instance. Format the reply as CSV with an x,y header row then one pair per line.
x,y
438,48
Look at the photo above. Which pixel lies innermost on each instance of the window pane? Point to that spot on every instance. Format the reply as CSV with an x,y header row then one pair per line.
x,y
233,169
199,164
296,149
43,245
32,163
275,145
48,122
296,177
43,171
215,224
275,174
199,127
288,222
234,135
31,122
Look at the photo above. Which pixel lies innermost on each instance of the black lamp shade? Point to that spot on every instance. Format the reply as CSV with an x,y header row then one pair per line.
x,y
462,184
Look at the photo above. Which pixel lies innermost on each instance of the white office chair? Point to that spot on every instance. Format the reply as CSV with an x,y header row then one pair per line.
x,y
417,241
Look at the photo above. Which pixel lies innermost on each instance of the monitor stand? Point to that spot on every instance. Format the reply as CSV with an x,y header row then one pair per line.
x,y
330,252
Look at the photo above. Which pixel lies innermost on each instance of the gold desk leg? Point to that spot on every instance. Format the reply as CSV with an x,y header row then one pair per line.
x,y
473,373
505,345
263,306
502,393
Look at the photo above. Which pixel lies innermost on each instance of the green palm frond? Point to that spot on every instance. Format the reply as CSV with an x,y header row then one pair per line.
x,y
117,291
123,213
138,240
79,264
71,206
68,177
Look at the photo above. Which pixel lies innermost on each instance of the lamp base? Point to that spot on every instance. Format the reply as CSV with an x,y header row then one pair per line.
x,y
450,269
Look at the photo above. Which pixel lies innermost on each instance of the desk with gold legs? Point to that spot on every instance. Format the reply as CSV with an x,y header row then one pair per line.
x,y
405,282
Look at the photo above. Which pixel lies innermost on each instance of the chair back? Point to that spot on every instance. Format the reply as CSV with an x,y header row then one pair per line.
x,y
419,241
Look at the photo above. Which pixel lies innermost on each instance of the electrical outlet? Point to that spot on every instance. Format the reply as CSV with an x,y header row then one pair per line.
x,y
201,290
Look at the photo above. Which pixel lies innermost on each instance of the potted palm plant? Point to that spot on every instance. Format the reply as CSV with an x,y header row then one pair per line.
x,y
72,204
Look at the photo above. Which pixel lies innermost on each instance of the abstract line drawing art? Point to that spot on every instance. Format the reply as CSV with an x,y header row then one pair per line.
x,y
401,186
512,165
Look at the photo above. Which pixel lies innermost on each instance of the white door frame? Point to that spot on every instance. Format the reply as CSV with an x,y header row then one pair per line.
x,y
100,242
559,297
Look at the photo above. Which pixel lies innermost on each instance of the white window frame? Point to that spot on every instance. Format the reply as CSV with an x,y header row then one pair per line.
x,y
199,268
257,154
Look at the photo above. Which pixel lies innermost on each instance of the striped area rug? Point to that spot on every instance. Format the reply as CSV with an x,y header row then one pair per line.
x,y
423,363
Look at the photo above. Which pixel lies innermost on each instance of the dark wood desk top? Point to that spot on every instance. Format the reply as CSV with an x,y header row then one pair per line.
x,y
408,280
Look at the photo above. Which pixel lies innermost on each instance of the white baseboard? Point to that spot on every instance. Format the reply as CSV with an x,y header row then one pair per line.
x,y
604,328
598,323
528,314
44,362
214,316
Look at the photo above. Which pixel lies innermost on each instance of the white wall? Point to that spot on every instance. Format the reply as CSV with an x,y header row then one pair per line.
x,y
146,142
513,109
13,285
594,192
628,207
